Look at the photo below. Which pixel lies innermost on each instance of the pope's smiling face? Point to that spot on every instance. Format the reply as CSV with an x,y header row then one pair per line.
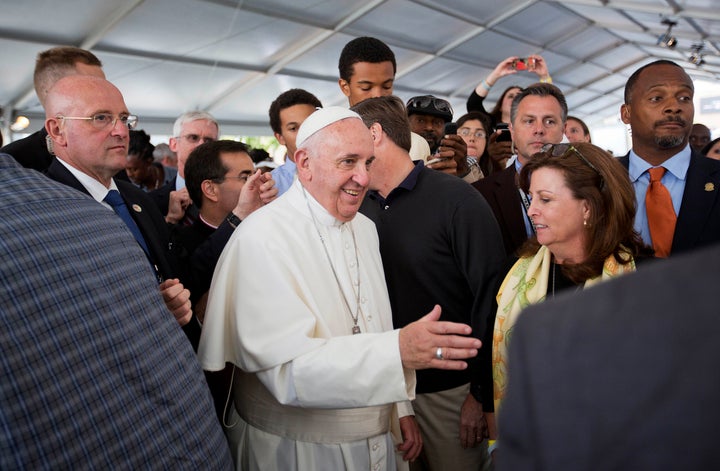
x,y
333,166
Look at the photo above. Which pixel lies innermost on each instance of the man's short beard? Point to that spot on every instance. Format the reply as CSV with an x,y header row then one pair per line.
x,y
668,142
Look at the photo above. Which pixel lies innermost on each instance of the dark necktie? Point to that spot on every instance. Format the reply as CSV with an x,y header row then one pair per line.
x,y
660,213
114,199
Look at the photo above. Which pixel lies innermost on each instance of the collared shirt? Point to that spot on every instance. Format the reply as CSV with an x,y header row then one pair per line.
x,y
674,180
284,175
96,189
406,185
179,183
440,244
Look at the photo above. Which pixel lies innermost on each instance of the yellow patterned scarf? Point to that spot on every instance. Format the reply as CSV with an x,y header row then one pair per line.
x,y
527,283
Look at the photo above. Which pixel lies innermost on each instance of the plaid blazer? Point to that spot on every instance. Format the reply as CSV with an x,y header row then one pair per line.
x,y
95,372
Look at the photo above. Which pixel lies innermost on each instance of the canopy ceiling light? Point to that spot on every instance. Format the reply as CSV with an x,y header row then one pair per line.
x,y
20,124
668,40
696,55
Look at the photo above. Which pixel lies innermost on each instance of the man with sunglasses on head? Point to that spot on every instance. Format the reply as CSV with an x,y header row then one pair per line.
x,y
89,124
537,117
428,116
190,130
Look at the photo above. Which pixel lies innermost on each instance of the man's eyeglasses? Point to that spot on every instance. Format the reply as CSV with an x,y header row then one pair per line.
x,y
104,120
195,138
560,150
465,132
427,101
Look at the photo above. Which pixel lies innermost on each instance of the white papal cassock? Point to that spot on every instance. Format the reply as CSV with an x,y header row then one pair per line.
x,y
311,395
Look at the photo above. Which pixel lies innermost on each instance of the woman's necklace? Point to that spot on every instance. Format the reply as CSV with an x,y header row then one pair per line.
x,y
356,327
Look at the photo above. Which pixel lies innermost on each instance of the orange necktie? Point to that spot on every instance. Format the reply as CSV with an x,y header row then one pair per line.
x,y
660,213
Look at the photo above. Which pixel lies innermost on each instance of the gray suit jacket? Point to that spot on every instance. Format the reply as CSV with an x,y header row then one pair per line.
x,y
623,376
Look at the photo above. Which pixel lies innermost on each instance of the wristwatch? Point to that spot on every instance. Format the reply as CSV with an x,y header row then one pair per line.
x,y
233,220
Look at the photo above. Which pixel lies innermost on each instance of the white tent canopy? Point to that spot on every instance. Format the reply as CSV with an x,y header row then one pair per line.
x,y
233,58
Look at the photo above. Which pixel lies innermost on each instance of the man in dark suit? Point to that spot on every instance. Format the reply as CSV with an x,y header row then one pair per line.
x,y
621,376
91,147
659,109
85,382
50,66
537,116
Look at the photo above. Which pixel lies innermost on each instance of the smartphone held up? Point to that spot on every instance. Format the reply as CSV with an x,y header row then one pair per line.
x,y
524,63
450,129
504,133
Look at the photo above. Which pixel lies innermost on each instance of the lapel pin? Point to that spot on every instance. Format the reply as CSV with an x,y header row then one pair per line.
x,y
709,186
138,209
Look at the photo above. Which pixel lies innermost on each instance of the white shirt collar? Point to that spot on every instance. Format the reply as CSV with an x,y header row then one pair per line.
x,y
96,189
677,164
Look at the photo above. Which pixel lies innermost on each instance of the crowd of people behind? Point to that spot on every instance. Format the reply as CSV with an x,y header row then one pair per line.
x,y
356,306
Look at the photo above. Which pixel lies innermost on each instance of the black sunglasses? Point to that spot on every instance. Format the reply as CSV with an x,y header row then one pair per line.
x,y
560,150
427,101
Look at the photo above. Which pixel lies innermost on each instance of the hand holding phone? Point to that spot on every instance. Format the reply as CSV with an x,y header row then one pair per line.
x,y
504,133
450,128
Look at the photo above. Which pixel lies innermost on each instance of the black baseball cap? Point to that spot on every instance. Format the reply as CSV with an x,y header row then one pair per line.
x,y
428,104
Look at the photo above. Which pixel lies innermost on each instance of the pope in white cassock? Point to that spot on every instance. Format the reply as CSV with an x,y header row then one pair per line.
x,y
319,367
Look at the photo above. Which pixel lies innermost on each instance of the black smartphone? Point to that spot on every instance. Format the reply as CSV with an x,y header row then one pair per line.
x,y
504,133
450,128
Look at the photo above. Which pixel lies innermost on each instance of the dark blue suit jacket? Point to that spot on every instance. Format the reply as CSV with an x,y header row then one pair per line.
x,y
698,223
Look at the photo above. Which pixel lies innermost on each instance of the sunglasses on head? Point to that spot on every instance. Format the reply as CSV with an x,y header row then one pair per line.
x,y
561,150
429,101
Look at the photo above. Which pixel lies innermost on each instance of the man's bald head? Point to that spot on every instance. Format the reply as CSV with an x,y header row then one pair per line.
x,y
76,91
97,147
